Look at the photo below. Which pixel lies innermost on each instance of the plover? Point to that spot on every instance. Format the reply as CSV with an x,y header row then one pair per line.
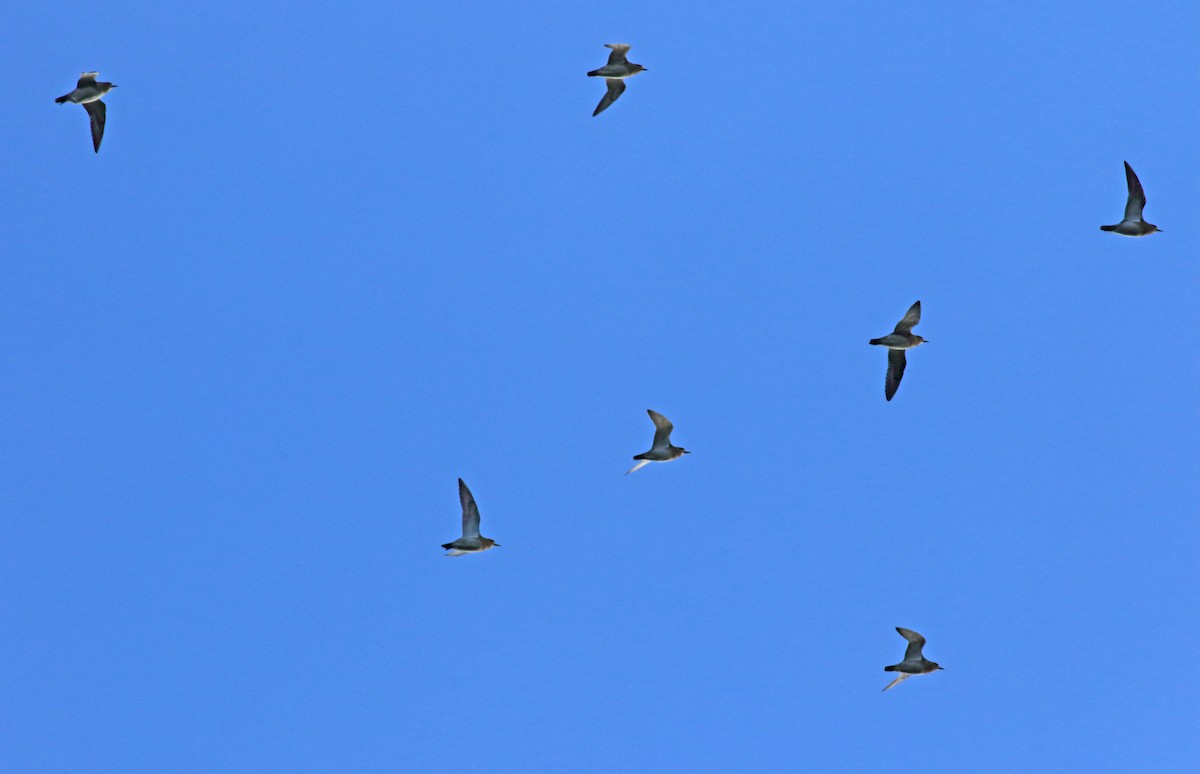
x,y
662,450
1132,225
914,663
897,341
614,73
471,541
88,92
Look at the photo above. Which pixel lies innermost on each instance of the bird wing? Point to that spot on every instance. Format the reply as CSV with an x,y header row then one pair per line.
x,y
86,79
470,511
911,318
1137,197
895,372
96,112
662,429
903,676
915,643
615,88
641,464
618,52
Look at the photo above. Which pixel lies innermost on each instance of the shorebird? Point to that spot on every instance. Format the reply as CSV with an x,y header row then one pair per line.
x,y
897,341
914,663
614,73
88,92
1133,225
471,541
662,450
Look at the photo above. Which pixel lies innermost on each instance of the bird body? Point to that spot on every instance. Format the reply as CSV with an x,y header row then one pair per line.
x,y
471,541
620,71
1132,224
914,662
897,342
88,89
662,450
87,92
615,72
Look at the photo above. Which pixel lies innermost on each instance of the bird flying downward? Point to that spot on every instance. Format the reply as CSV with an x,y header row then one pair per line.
x,y
896,342
662,450
614,73
88,92
471,541
914,662
1132,224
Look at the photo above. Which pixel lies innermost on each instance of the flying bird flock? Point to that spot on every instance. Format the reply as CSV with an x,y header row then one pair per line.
x,y
88,92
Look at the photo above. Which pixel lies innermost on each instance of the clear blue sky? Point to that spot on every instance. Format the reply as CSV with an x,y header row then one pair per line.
x,y
329,260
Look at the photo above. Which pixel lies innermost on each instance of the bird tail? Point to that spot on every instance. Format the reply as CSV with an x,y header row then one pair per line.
x,y
1108,228
889,669
875,341
594,72
62,99
447,546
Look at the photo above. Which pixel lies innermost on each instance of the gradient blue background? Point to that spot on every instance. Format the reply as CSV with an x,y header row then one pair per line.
x,y
328,260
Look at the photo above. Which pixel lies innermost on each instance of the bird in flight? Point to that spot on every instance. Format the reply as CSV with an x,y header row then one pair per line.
x,y
88,92
662,450
471,541
1132,224
614,73
896,342
914,663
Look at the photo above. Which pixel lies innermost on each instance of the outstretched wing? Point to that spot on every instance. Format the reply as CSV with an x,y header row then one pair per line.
x,y
618,52
903,676
915,643
662,429
616,87
895,372
640,464
1137,197
96,112
86,79
470,511
911,318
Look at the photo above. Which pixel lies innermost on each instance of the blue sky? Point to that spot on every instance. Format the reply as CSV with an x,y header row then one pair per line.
x,y
329,260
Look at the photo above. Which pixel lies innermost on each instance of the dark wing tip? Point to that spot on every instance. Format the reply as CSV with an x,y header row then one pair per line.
x,y
96,117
